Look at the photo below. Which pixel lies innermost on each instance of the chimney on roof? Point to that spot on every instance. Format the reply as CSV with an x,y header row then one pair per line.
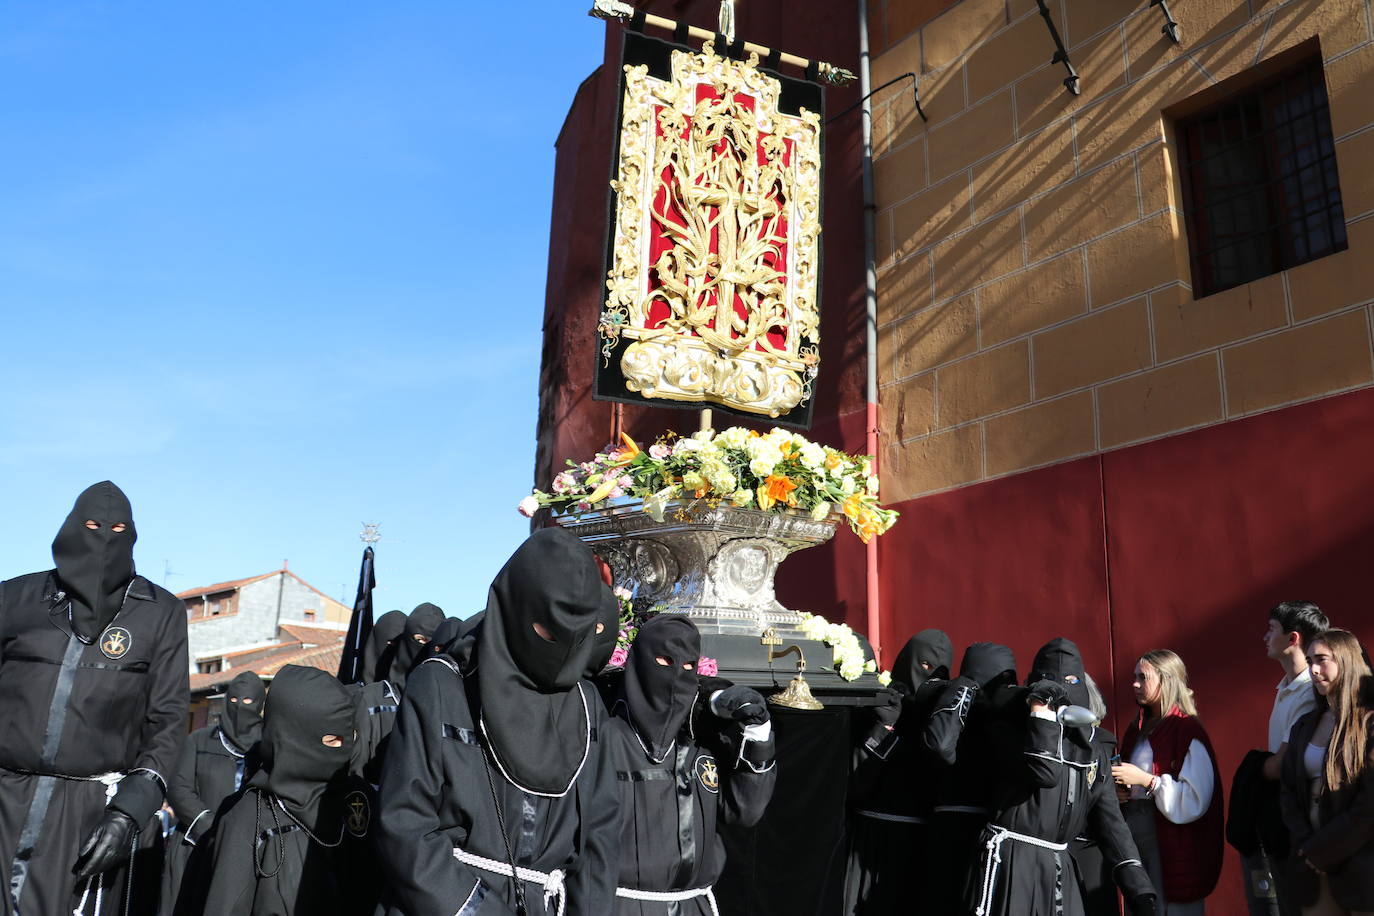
x,y
284,565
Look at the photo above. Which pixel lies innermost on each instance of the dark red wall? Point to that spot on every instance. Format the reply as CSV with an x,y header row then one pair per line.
x,y
571,424
1184,543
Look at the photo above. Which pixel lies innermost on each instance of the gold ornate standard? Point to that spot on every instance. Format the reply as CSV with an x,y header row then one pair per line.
x,y
717,238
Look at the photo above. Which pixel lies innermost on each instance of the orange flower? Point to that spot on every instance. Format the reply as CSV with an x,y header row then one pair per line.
x,y
778,488
788,451
625,454
852,507
869,525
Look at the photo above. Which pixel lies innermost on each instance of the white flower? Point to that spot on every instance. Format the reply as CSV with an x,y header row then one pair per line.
x,y
761,467
528,506
812,456
820,511
703,435
778,437
656,503
734,437
684,446
847,486
621,592
871,484
742,497
885,678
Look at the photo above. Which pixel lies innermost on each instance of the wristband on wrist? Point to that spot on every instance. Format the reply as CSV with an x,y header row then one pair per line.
x,y
1152,788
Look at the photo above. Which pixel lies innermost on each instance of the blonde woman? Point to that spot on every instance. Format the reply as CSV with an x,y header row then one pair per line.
x,y
1328,784
1171,787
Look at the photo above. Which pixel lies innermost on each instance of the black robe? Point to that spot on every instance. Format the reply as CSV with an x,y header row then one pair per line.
x,y
891,801
1100,897
1054,786
73,712
671,810
437,795
962,732
210,772
377,704
267,864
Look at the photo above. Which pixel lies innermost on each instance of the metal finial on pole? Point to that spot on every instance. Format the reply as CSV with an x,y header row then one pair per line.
x,y
371,533
727,20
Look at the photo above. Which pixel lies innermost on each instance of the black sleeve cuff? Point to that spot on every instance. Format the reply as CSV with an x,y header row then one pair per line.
x,y
139,795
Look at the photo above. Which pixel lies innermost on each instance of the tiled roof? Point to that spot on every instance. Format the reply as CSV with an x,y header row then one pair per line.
x,y
225,586
313,635
325,657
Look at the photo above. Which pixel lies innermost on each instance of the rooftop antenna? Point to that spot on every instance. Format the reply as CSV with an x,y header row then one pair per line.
x,y
167,572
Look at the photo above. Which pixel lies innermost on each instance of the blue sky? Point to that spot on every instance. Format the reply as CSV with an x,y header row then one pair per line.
x,y
245,251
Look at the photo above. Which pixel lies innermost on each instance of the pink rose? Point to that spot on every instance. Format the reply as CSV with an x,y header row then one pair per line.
x,y
619,656
707,666
658,451
528,506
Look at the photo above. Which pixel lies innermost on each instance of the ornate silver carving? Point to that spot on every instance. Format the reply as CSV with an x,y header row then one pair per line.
x,y
715,564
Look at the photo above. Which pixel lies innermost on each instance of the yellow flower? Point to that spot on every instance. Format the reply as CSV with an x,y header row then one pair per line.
x,y
852,507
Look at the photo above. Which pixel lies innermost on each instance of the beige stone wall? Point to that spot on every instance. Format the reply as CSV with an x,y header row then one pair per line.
x,y
1033,287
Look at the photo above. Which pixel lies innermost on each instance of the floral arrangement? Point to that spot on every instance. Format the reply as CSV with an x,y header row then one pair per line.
x,y
773,471
629,628
849,657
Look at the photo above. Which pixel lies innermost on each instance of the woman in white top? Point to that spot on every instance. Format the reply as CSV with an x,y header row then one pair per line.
x,y
1328,784
1170,787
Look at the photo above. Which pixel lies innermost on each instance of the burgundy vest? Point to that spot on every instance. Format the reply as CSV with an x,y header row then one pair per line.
x,y
1189,853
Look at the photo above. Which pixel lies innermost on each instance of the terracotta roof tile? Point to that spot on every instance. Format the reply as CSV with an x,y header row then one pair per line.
x,y
315,635
326,658
229,586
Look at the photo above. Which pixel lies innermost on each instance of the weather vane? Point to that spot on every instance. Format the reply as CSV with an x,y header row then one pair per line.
x,y
371,533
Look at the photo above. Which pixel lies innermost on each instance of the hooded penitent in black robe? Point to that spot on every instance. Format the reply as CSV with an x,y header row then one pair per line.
x,y
962,731
674,788
501,751
412,646
296,841
1054,786
892,789
381,645
92,683
215,763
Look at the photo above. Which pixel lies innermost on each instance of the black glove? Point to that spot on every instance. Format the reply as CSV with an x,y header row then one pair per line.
x,y
1144,905
1052,694
139,795
1135,886
889,710
742,704
983,661
108,845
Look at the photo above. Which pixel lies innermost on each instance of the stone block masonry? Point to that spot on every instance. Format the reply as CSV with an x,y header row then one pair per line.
x,y
1035,290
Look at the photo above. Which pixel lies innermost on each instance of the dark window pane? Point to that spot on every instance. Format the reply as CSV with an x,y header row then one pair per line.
x,y
1260,185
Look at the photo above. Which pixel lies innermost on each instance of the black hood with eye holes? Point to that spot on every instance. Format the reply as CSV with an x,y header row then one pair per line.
x,y
1059,661
533,713
930,646
409,651
96,566
242,722
303,706
658,697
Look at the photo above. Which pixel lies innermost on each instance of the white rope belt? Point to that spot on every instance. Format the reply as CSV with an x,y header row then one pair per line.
x,y
552,881
894,818
631,893
993,859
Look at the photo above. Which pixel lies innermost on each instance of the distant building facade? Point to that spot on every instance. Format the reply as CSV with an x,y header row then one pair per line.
x,y
258,624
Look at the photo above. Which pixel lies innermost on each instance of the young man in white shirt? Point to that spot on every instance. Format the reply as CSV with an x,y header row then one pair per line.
x,y
1292,624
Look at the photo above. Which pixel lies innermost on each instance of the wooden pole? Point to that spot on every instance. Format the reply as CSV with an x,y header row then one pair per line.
x,y
620,11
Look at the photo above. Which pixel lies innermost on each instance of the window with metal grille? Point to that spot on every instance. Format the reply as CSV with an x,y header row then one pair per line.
x,y
1259,181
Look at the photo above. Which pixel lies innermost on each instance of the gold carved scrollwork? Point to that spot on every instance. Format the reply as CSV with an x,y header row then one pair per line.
x,y
733,187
